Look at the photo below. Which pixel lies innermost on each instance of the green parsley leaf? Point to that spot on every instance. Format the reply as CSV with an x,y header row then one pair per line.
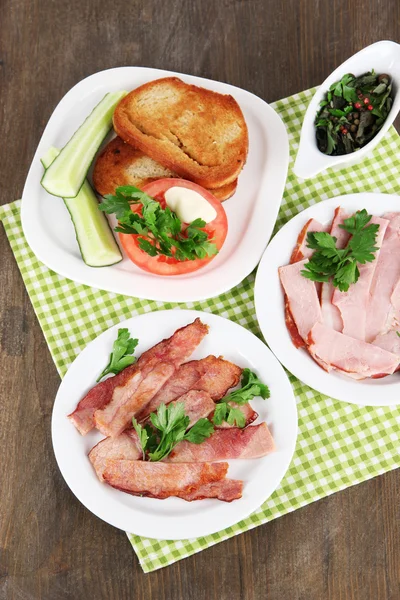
x,y
142,435
341,265
200,431
236,417
121,355
251,387
168,428
398,333
160,229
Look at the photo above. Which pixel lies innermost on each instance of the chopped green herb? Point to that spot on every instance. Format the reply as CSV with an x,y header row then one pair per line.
x,y
121,355
168,428
159,229
341,265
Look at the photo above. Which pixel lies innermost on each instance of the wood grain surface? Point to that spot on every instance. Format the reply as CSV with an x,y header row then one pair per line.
x,y
345,547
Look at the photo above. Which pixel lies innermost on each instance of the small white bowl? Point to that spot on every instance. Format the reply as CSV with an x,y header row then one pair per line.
x,y
384,57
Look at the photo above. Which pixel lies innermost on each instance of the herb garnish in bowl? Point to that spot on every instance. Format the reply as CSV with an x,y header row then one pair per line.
x,y
352,112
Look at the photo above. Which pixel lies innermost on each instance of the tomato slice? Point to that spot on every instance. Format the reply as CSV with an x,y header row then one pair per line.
x,y
164,265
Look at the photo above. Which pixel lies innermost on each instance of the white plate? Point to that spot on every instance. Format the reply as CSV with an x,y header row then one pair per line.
x,y
174,518
271,316
251,212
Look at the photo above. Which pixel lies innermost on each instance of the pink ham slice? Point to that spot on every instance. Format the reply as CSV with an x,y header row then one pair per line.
x,y
129,399
125,446
301,250
380,311
330,313
353,304
212,375
161,480
348,354
180,344
252,442
302,297
389,341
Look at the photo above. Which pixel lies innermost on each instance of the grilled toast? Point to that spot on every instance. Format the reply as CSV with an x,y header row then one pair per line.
x,y
122,164
197,133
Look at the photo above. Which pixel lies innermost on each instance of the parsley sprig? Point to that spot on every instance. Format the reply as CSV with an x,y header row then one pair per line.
x,y
121,355
168,428
160,229
251,387
341,265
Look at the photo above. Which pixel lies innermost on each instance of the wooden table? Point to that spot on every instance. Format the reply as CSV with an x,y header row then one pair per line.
x,y
344,547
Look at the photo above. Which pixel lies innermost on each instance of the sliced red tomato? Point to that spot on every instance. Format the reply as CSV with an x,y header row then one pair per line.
x,y
164,265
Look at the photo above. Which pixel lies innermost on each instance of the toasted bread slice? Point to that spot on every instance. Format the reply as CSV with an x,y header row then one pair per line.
x,y
122,164
199,134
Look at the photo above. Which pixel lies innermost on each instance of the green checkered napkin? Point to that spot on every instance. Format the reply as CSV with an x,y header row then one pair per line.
x,y
339,444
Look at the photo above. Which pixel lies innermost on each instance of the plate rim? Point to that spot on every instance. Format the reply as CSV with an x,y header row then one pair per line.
x,y
88,276
349,394
199,530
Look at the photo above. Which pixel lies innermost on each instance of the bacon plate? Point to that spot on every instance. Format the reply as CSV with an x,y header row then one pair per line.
x,y
212,375
125,446
162,480
174,350
252,442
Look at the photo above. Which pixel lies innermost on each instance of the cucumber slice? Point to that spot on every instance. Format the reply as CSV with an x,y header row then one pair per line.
x,y
93,233
67,173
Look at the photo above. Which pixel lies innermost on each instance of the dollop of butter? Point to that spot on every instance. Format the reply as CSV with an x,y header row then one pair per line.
x,y
189,205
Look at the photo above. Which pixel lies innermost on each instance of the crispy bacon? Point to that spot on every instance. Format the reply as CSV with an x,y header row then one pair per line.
x,y
175,350
226,490
125,446
212,375
223,444
129,399
162,480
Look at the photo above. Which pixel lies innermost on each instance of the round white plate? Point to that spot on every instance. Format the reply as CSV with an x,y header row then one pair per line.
x,y
174,518
271,315
251,211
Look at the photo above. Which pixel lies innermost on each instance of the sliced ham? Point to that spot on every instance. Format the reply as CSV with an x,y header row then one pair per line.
x,y
353,304
125,446
301,250
330,313
348,354
181,343
212,375
162,480
252,442
129,399
381,311
302,297
247,411
389,341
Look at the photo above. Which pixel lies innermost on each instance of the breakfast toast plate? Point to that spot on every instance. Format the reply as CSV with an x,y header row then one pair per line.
x,y
174,518
251,211
269,300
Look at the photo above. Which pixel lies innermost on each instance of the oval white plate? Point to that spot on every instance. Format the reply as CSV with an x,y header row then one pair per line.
x,y
384,57
174,518
251,211
271,315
